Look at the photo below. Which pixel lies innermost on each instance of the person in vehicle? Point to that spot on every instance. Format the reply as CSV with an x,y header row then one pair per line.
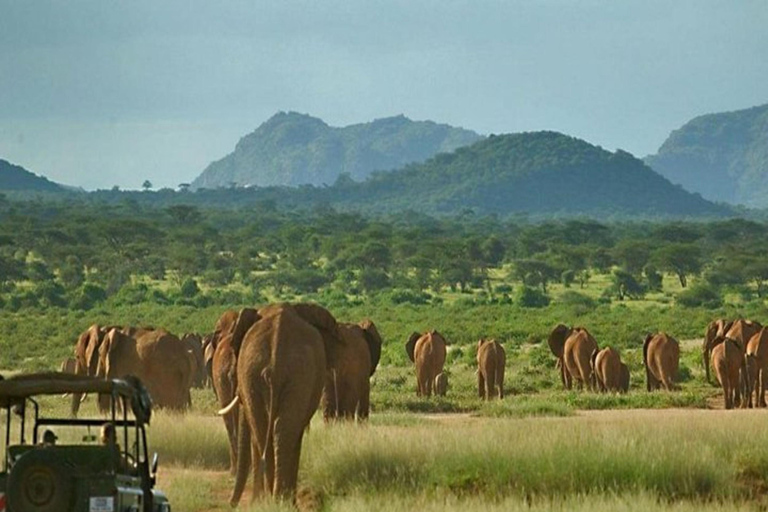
x,y
108,439
49,438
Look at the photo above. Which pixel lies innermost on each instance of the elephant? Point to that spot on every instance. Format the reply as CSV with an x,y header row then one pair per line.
x,y
727,359
441,384
757,368
282,362
157,357
224,371
347,386
716,328
573,348
661,356
610,373
491,360
194,344
427,351
741,331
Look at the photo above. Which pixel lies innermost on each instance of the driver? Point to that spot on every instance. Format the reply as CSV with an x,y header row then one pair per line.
x,y
107,438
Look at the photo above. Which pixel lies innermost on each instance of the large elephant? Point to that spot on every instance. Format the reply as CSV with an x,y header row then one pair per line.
x,y
347,386
716,328
573,348
757,362
194,344
224,371
157,357
661,357
491,360
427,351
727,360
610,373
281,367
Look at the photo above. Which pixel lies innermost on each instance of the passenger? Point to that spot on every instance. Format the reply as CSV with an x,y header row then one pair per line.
x,y
49,438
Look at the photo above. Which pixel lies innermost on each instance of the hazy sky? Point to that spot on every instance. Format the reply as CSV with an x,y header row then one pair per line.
x,y
102,93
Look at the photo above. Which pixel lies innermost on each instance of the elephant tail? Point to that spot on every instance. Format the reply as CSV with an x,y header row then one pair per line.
x,y
266,374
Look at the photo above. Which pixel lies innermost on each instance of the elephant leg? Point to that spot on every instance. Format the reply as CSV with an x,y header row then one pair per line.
x,y
760,387
429,381
500,382
480,384
287,452
231,424
490,382
420,390
364,407
568,380
243,461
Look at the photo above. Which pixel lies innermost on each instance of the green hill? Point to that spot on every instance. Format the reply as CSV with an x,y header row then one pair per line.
x,y
296,149
724,156
542,173
16,178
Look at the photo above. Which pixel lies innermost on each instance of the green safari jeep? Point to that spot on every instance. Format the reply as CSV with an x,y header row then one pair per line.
x,y
60,465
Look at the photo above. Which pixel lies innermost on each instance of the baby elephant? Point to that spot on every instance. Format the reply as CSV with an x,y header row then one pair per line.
x,y
610,373
491,360
441,384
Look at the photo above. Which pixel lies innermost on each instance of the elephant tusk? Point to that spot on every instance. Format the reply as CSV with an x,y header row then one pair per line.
x,y
229,407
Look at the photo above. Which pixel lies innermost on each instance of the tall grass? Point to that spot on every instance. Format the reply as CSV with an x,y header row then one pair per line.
x,y
689,455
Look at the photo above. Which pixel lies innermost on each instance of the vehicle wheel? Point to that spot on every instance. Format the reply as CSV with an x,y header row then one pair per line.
x,y
38,483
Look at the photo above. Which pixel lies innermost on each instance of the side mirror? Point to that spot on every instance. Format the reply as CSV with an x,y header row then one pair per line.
x,y
155,460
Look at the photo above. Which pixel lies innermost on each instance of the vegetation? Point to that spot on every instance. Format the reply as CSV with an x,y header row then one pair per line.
x,y
14,177
721,156
295,149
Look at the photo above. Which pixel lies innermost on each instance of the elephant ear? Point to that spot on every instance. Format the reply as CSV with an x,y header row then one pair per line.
x,y
593,359
410,345
557,339
245,319
374,341
322,320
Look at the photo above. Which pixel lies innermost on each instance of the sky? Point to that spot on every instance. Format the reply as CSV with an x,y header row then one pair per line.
x,y
102,93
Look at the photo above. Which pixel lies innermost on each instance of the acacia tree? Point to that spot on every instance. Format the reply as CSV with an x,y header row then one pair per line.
x,y
681,259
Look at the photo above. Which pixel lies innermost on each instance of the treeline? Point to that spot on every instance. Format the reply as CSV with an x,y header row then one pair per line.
x,y
81,254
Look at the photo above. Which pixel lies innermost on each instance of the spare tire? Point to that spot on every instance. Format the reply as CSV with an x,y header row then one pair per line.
x,y
39,483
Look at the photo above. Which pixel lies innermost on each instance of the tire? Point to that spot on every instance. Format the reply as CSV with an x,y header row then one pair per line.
x,y
39,483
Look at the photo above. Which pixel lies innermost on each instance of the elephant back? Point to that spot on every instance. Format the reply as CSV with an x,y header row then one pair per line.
x,y
322,320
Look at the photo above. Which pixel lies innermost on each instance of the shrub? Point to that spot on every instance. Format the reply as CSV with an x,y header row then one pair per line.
x,y
189,288
700,295
408,297
87,296
528,297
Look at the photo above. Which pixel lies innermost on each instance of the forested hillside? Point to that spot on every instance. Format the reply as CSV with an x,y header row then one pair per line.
x,y
14,177
724,156
295,149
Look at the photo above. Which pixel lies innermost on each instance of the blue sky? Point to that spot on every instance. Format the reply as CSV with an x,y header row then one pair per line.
x,y
96,93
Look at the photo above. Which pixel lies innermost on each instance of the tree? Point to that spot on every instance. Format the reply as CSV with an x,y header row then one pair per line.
x,y
624,284
146,185
535,273
681,259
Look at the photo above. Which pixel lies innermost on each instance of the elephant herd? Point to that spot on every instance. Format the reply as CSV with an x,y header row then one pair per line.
x,y
579,359
737,350
272,367
168,366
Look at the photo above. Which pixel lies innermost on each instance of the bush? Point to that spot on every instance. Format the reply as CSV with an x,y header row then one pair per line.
x,y
528,297
189,288
700,295
87,296
408,297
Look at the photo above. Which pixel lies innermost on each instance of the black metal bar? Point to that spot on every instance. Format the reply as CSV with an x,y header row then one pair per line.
x,y
82,422
7,437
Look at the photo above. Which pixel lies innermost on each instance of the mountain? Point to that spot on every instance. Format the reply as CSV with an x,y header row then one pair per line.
x,y
724,156
14,177
539,174
296,149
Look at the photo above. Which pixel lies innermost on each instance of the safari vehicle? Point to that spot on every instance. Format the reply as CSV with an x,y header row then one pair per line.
x,y
81,473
